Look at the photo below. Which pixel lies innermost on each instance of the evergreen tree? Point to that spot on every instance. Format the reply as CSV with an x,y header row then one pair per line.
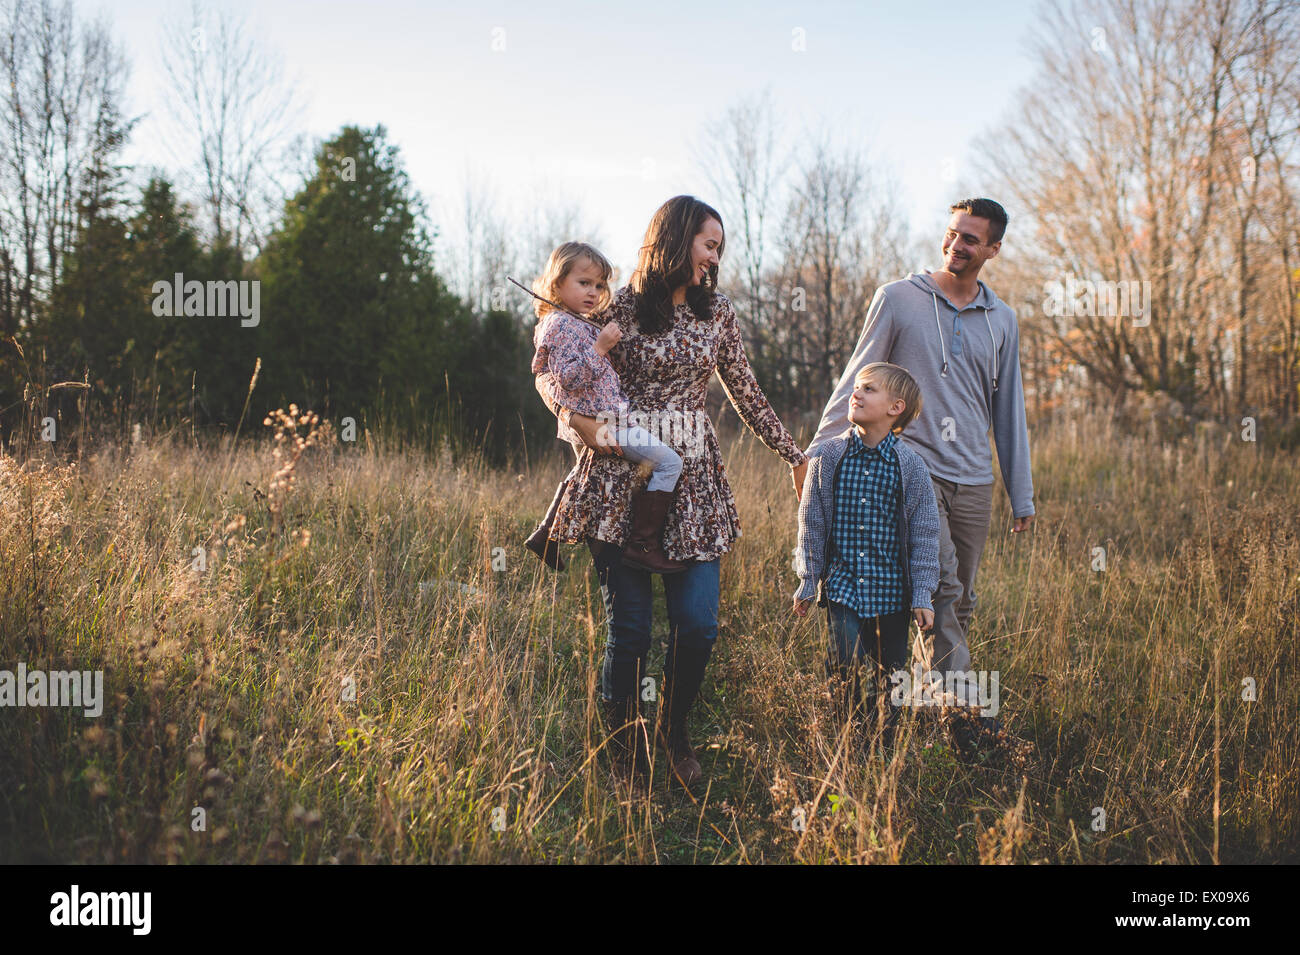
x,y
100,324
355,321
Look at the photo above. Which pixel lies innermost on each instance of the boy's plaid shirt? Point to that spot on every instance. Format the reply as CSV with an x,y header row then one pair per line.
x,y
865,572
918,522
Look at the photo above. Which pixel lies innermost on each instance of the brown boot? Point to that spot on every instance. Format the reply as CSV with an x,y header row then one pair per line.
x,y
681,687
628,745
644,548
682,761
540,543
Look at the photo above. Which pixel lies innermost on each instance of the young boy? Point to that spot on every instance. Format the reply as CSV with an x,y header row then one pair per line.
x,y
869,536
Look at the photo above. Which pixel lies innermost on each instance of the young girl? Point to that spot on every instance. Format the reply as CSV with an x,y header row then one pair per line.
x,y
575,355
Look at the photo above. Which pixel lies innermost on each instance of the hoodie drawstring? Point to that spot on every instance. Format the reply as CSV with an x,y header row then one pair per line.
x,y
997,349
943,373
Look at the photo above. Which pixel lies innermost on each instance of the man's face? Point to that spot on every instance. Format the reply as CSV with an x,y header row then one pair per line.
x,y
965,244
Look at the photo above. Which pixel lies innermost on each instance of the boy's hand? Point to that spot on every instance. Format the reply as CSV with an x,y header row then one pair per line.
x,y
609,336
801,606
797,473
924,618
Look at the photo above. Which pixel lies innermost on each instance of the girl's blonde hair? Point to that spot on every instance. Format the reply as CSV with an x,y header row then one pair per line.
x,y
896,382
558,267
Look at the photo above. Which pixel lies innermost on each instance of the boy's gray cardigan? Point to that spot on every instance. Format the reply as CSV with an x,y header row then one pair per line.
x,y
918,523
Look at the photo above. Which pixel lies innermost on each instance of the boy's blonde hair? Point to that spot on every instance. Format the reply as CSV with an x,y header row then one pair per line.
x,y
558,267
897,383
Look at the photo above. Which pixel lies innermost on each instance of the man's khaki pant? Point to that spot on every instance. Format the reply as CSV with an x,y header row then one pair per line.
x,y
964,514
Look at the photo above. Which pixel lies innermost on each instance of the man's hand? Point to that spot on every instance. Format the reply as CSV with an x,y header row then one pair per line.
x,y
1022,523
796,475
924,618
594,434
801,606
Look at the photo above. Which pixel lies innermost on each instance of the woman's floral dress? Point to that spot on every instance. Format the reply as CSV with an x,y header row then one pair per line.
x,y
670,373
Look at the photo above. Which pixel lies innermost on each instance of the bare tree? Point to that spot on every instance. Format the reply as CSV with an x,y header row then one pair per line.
x,y
62,119
548,222
841,238
1264,111
232,115
1173,165
483,255
495,239
814,234
744,164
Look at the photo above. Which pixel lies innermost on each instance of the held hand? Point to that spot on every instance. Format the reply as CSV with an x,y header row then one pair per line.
x,y
1022,523
595,434
609,336
924,618
801,606
796,475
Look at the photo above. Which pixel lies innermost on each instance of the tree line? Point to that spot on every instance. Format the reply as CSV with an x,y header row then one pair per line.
x,y
1154,153
1151,170
137,294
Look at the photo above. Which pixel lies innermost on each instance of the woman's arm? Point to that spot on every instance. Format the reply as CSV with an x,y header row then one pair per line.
x,y
747,397
814,525
593,433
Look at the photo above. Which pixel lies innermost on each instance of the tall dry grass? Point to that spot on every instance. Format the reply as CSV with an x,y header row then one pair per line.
x,y
363,570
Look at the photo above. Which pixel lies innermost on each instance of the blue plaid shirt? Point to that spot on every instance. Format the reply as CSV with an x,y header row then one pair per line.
x,y
866,572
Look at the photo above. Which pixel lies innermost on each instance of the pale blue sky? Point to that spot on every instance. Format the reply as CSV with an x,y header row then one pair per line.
x,y
603,103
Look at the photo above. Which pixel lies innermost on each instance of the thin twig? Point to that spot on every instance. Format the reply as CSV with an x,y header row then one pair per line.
x,y
592,322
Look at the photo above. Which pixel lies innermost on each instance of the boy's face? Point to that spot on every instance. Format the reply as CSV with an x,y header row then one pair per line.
x,y
872,406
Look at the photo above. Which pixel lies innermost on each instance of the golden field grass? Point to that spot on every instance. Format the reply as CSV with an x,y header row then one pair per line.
x,y
227,687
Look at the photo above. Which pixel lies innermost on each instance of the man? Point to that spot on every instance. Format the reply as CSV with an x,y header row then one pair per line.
x,y
962,345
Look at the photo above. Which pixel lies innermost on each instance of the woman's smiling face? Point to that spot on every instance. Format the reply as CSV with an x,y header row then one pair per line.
x,y
704,250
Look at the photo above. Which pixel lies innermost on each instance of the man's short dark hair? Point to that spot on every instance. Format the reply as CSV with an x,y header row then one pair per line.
x,y
985,209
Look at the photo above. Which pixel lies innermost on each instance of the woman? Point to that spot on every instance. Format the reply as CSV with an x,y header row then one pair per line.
x,y
676,331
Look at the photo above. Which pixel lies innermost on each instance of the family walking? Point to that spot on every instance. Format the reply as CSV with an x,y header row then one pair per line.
x,y
895,489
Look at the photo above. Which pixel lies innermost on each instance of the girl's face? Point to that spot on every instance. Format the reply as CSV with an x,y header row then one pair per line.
x,y
704,250
582,288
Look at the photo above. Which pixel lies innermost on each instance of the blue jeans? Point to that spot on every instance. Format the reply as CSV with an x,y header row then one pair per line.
x,y
857,639
640,445
692,603
879,643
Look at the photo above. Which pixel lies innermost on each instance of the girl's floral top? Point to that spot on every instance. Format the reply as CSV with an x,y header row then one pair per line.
x,y
665,379
580,379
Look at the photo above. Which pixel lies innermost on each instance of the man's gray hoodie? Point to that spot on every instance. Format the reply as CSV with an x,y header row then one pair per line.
x,y
967,365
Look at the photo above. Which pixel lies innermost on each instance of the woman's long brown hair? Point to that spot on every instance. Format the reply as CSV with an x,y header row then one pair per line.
x,y
664,264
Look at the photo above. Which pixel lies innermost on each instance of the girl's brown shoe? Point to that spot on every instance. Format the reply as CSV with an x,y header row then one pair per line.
x,y
644,548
